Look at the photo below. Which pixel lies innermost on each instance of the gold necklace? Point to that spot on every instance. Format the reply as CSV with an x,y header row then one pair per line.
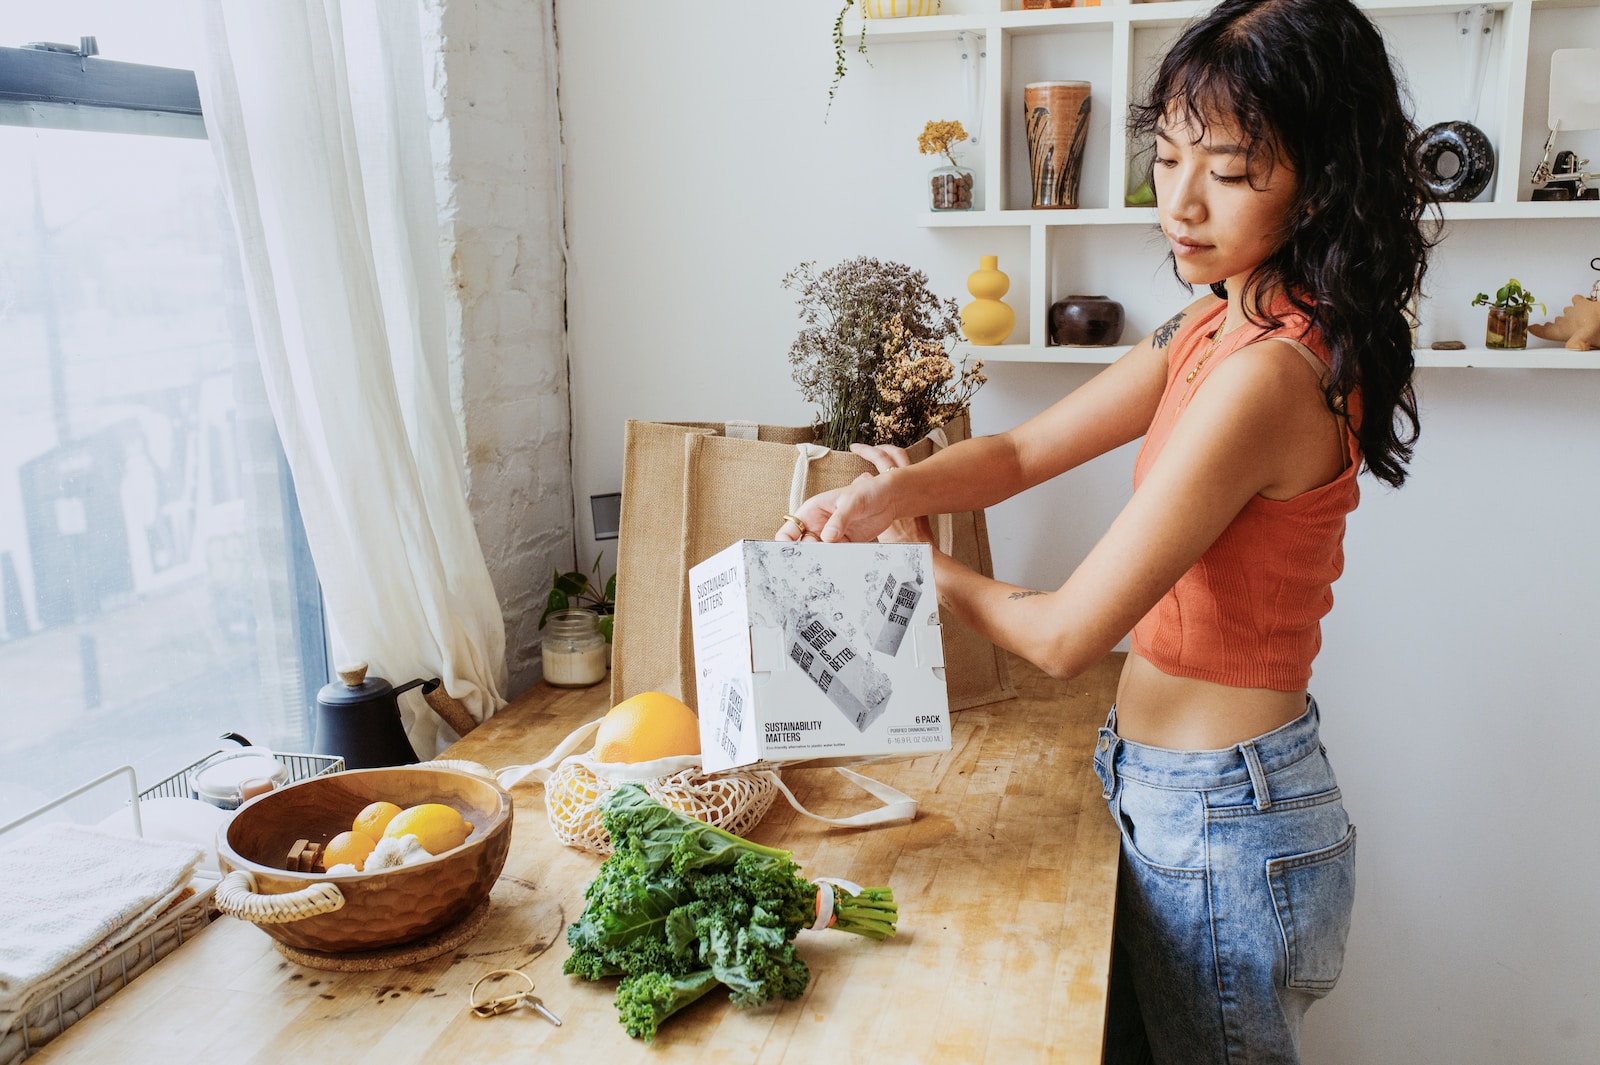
x,y
1216,338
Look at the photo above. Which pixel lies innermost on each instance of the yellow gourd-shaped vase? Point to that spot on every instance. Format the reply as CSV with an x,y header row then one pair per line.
x,y
986,320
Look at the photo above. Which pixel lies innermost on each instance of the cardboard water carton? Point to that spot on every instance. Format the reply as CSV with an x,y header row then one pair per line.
x,y
810,651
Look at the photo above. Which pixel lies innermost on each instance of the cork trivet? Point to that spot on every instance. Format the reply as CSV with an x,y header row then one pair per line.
x,y
409,953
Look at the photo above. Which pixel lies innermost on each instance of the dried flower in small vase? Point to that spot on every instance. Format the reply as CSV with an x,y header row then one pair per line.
x,y
949,187
938,138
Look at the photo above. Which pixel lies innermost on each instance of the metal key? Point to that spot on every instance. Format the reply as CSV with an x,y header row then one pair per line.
x,y
533,1000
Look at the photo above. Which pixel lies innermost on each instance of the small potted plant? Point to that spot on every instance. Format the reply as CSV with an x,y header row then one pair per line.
x,y
1508,315
950,186
575,591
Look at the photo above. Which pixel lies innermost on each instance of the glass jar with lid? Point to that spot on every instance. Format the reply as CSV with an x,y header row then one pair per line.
x,y
574,650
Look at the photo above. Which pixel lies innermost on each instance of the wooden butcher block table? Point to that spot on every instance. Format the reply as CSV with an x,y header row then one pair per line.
x,y
1005,881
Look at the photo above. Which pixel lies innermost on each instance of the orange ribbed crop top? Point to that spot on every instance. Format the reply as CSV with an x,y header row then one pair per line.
x,y
1248,613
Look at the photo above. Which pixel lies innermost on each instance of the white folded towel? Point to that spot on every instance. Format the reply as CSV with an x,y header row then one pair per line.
x,y
67,892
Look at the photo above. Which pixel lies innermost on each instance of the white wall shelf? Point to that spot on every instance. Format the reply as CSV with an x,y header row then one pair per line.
x,y
1128,33
1533,358
1146,216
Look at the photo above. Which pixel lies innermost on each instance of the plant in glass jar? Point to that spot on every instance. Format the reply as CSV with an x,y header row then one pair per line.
x,y
873,353
574,590
949,186
1508,315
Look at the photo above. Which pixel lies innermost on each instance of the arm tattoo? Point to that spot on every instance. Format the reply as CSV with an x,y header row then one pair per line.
x,y
1163,335
1026,594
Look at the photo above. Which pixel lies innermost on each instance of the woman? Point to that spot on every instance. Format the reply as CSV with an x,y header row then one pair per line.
x,y
1285,184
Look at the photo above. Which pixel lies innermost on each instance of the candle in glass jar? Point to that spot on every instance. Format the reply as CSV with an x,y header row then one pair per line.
x,y
574,651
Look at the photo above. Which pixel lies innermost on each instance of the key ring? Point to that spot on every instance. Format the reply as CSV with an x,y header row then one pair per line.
x,y
505,1003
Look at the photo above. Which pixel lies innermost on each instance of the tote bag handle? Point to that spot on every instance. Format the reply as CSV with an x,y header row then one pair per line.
x,y
944,525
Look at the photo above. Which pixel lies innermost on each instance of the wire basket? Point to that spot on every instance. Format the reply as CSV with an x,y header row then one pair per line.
x,y
301,767
56,1004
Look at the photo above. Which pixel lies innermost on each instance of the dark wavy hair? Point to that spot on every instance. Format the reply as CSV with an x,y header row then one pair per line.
x,y
1309,82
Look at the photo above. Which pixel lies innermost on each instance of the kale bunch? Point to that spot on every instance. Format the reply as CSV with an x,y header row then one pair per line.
x,y
681,907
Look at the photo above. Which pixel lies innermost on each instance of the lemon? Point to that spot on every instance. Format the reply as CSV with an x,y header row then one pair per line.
x,y
437,827
348,848
374,818
571,793
647,726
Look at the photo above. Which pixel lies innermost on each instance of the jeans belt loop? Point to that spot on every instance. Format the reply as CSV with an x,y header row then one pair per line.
x,y
1106,752
1258,776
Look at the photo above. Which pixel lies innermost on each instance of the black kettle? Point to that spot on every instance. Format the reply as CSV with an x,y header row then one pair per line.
x,y
358,719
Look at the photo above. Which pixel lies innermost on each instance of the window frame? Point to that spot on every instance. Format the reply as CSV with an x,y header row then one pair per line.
x,y
50,86
57,87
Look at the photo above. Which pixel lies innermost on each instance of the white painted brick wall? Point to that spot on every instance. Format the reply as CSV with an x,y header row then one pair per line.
x,y
495,144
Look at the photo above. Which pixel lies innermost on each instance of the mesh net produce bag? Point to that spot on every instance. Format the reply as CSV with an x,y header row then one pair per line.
x,y
732,800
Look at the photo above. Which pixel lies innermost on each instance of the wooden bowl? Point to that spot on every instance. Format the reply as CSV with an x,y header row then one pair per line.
x,y
383,908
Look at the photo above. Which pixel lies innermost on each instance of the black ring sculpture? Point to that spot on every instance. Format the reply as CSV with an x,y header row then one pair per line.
x,y
1469,145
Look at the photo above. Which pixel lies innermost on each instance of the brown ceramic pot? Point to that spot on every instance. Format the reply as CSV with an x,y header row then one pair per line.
x,y
1086,321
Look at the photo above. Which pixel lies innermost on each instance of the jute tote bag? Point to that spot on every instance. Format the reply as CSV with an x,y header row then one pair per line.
x,y
689,489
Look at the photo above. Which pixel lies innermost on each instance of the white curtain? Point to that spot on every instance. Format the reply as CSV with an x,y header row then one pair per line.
x,y
317,114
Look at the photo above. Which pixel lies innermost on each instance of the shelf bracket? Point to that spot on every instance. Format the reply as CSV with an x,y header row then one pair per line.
x,y
972,49
1474,31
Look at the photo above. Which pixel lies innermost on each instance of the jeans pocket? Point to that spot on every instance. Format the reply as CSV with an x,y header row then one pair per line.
x,y
1162,828
1313,894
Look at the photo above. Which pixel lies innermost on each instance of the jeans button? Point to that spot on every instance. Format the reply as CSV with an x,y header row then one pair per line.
x,y
1104,744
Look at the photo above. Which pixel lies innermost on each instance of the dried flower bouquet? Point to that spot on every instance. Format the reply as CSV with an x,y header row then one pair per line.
x,y
873,353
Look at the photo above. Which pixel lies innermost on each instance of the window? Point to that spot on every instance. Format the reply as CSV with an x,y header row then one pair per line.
x,y
155,589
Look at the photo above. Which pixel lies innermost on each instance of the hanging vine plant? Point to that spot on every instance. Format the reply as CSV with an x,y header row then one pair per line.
x,y
839,56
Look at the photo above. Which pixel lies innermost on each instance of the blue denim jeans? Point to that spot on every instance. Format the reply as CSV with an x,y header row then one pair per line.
x,y
1234,893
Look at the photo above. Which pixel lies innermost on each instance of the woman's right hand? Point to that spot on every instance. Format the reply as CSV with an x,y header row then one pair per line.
x,y
856,513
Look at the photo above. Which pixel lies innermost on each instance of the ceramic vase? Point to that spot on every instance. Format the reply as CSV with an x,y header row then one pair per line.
x,y
1056,118
1506,328
987,321
1086,321
1456,160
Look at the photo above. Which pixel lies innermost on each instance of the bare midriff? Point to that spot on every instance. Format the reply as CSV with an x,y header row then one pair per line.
x,y
1185,714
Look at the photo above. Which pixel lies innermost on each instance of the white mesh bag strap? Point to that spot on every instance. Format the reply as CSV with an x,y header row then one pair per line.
x,y
580,737
542,769
897,805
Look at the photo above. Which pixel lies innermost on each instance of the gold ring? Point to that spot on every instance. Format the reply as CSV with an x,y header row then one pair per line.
x,y
798,524
493,1006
